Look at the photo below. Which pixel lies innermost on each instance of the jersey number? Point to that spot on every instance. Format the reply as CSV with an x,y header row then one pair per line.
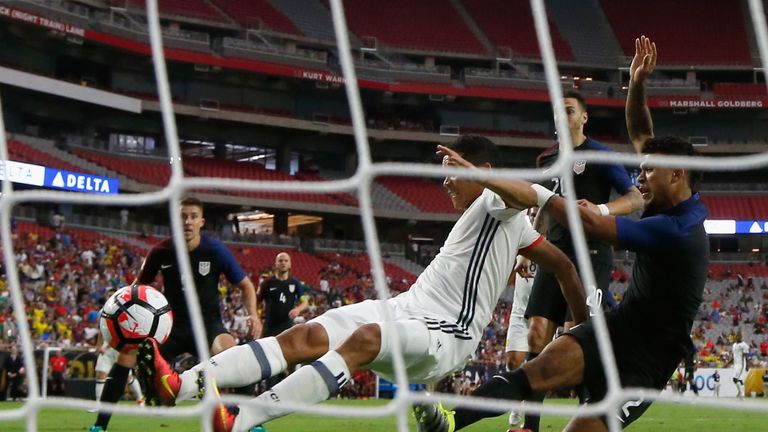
x,y
282,298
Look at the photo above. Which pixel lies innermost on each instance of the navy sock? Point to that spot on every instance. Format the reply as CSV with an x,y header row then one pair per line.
x,y
509,385
113,391
532,421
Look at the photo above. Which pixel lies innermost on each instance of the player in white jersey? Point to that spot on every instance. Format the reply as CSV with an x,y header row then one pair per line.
x,y
104,362
516,347
437,323
740,350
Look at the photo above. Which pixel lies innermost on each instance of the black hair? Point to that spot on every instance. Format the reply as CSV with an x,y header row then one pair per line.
x,y
476,149
575,94
674,146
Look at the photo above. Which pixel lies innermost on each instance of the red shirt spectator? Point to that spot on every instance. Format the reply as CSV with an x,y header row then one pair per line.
x,y
764,348
58,363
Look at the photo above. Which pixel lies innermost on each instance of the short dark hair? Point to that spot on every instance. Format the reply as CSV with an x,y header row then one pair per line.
x,y
575,94
476,149
192,201
674,146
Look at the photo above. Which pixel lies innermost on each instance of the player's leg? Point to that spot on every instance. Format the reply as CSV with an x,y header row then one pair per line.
x,y
114,388
101,378
136,389
370,345
546,311
104,363
516,350
561,364
234,367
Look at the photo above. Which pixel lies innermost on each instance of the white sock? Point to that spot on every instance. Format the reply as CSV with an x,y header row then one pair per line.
x,y
311,384
136,389
238,366
99,388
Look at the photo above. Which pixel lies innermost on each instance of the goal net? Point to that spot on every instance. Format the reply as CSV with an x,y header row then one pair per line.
x,y
360,185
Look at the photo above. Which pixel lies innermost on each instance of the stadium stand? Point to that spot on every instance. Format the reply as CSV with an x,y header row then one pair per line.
x,y
423,194
629,19
412,25
311,16
257,14
740,207
737,90
196,9
143,170
26,153
497,17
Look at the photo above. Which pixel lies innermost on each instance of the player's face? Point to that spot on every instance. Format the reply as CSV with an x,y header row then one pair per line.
x,y
192,218
655,185
283,262
462,192
576,117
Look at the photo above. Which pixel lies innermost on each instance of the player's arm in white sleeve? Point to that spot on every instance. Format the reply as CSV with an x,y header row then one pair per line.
x,y
549,257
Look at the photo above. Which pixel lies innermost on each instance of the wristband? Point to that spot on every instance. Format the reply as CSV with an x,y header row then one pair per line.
x,y
542,194
604,211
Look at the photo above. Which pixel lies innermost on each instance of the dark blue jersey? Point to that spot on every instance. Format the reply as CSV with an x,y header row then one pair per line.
x,y
210,259
592,181
670,270
279,296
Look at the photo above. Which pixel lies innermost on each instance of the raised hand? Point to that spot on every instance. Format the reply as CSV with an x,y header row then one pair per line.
x,y
451,158
644,61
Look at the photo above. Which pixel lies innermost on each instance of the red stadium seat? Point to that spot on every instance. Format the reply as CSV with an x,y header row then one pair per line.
x,y
681,25
432,25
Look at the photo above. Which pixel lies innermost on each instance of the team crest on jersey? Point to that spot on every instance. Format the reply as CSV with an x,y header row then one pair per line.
x,y
292,288
579,166
204,267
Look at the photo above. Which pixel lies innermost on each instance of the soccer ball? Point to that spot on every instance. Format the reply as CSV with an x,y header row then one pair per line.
x,y
132,314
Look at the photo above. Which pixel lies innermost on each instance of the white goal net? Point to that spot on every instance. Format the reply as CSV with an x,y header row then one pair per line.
x,y
360,184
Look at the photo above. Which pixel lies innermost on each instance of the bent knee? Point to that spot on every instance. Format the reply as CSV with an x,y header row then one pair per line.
x,y
539,334
367,337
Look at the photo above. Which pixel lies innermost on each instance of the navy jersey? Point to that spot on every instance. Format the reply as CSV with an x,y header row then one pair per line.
x,y
592,181
279,296
665,289
209,260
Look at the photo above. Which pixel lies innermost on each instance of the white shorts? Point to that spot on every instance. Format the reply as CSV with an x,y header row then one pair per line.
x,y
517,334
105,361
429,354
739,373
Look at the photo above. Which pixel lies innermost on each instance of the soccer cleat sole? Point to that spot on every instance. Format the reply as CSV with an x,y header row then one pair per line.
x,y
146,375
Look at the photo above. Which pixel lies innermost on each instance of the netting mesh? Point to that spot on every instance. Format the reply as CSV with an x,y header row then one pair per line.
x,y
360,183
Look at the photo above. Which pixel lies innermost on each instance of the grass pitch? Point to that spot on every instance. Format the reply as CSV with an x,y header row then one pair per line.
x,y
660,417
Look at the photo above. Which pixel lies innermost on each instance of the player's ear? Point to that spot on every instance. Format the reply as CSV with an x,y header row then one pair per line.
x,y
584,118
678,174
485,165
202,222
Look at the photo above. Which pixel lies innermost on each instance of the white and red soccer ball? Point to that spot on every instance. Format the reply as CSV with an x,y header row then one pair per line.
x,y
133,314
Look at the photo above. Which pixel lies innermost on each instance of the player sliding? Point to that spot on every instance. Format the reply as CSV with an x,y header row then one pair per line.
x,y
439,321
666,285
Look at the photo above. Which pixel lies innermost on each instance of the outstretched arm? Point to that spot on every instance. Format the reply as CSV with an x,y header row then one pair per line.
x,y
623,205
638,116
554,260
515,193
523,194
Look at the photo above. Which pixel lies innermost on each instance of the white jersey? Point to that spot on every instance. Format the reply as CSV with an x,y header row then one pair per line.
x,y
458,291
740,350
522,293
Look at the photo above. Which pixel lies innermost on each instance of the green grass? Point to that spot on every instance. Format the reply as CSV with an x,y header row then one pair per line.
x,y
661,417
